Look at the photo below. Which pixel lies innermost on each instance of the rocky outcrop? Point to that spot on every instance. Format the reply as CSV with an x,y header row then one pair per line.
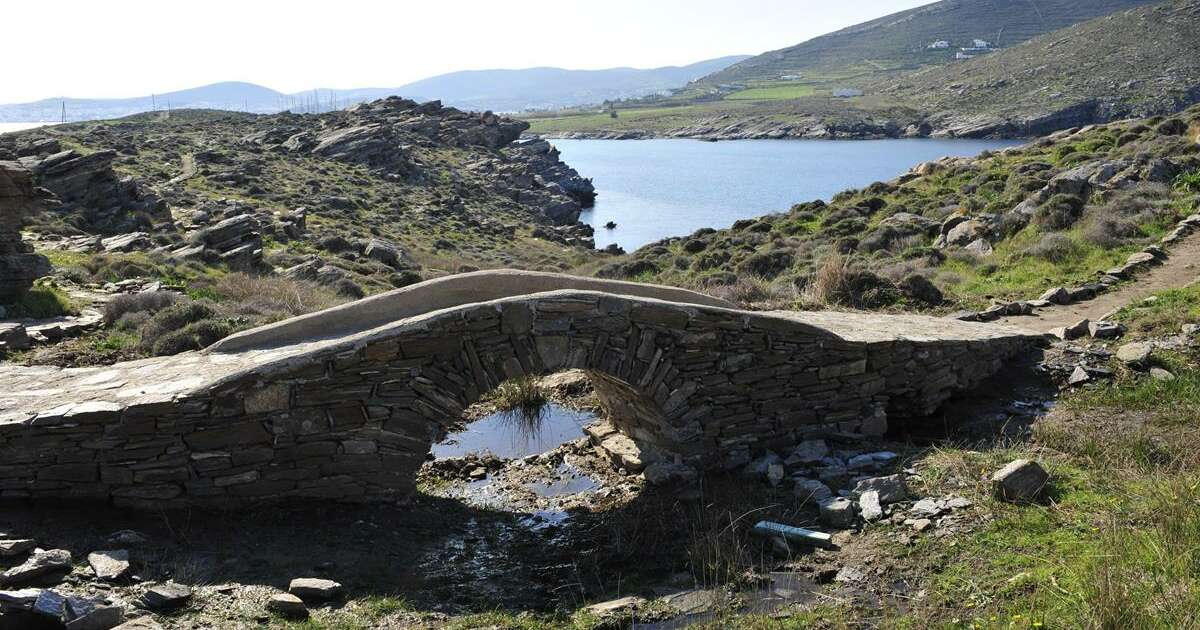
x,y
87,186
543,158
387,136
19,266
236,242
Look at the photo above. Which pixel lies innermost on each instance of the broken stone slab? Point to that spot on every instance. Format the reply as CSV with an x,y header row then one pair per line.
x,y
889,489
869,505
1021,481
109,565
40,564
1075,331
134,241
287,605
1057,295
101,616
22,599
1105,330
16,547
1136,355
1079,376
166,596
50,604
837,513
315,589
620,606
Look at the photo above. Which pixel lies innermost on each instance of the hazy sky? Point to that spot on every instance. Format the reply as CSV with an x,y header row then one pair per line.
x,y
112,48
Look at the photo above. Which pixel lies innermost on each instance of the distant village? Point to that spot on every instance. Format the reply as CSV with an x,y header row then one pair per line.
x,y
977,47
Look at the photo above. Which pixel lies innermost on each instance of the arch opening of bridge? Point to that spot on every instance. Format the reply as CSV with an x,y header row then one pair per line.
x,y
346,404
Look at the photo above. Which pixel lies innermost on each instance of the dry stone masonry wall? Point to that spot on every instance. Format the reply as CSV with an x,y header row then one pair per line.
x,y
352,418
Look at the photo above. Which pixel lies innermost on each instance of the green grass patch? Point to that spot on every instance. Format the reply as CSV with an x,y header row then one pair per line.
x,y
772,93
1164,315
42,302
1144,394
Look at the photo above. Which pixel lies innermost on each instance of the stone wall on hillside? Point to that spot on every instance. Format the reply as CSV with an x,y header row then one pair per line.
x,y
353,418
19,266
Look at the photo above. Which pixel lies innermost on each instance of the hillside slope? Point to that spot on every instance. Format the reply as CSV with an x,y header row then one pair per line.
x,y
544,88
379,194
1140,62
1133,63
477,90
228,95
901,41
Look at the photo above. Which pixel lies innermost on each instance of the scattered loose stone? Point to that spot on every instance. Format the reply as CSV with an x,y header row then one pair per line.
x,y
16,547
1135,355
1074,331
889,489
40,564
922,524
166,596
127,538
318,589
101,617
775,474
1057,295
1105,330
812,490
287,605
1160,374
837,513
1079,376
870,507
850,574
109,565
807,453
141,623
1021,481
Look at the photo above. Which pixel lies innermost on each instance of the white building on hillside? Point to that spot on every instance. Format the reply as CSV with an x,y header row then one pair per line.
x,y
939,44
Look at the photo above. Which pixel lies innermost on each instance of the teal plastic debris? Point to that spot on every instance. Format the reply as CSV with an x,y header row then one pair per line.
x,y
793,534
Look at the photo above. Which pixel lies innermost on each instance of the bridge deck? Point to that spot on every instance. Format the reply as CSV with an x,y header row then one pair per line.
x,y
30,391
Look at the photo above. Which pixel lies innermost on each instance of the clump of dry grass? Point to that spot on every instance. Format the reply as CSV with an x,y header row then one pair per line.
x,y
272,298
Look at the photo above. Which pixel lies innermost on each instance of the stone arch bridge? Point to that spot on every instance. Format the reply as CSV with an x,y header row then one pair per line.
x,y
344,404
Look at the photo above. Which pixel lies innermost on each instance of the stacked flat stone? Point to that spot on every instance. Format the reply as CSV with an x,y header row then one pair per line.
x,y
19,266
352,417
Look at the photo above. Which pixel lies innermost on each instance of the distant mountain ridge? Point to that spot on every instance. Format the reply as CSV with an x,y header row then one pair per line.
x,y
902,41
497,90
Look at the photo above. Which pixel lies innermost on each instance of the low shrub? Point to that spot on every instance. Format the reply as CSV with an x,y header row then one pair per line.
x,y
1055,248
838,281
1059,212
149,302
